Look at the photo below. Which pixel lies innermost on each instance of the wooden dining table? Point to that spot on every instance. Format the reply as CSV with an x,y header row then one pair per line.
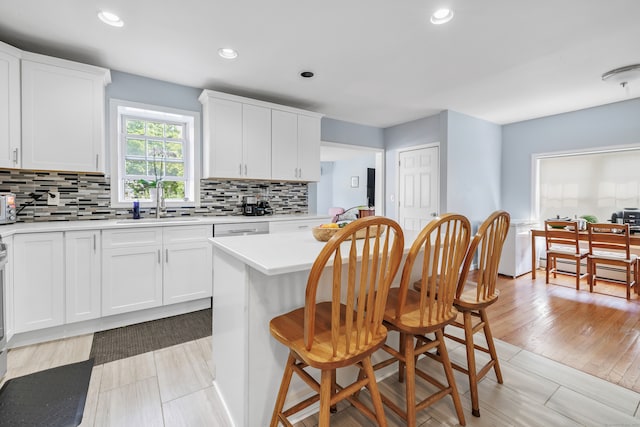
x,y
538,232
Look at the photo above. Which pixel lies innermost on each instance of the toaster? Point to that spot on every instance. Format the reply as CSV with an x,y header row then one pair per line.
x,y
7,208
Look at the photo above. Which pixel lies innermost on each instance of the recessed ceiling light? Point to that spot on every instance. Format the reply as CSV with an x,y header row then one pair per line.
x,y
227,53
441,16
110,19
306,74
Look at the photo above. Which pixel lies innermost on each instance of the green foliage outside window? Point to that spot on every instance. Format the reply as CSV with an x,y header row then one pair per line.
x,y
154,156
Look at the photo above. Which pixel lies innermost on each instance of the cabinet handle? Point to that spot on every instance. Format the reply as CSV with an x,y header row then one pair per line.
x,y
159,257
166,255
15,156
299,172
240,169
245,169
94,243
97,161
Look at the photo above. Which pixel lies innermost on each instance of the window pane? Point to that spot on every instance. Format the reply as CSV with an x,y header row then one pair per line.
x,y
174,131
135,127
135,147
133,189
156,169
174,169
173,189
155,149
135,167
155,129
174,150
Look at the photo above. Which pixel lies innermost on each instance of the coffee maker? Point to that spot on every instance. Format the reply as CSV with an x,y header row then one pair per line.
x,y
249,206
263,208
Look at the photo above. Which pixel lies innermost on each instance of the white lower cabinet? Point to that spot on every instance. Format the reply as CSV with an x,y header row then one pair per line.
x,y
8,286
149,267
38,291
131,270
188,272
82,275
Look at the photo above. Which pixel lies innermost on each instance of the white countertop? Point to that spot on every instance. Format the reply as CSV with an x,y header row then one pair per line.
x,y
41,227
279,253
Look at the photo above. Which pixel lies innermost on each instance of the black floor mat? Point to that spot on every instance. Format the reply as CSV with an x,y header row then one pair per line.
x,y
52,398
132,340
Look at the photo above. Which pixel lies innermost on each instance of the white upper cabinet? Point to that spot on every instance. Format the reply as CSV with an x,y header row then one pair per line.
x,y
284,145
256,138
9,106
295,143
222,148
62,114
250,139
309,148
237,139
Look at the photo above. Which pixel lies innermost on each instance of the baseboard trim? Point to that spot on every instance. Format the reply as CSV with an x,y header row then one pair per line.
x,y
107,322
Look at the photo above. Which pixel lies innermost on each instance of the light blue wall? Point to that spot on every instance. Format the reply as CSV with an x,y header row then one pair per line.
x,y
473,166
606,125
351,133
135,88
427,130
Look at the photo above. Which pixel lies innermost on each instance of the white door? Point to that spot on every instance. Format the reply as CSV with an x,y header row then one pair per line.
x,y
419,181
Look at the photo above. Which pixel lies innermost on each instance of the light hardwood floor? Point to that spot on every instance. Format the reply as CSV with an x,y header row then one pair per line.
x,y
544,332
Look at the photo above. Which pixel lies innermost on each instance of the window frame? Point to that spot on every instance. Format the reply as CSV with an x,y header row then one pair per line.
x,y
191,154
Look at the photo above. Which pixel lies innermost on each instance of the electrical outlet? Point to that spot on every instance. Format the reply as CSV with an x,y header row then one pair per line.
x,y
53,198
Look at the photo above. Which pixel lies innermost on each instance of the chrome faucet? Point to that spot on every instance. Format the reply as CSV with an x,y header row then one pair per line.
x,y
160,203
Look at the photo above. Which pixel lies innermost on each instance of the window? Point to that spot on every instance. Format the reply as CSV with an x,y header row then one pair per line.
x,y
588,183
153,146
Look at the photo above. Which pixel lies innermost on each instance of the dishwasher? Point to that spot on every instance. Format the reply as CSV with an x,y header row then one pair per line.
x,y
240,229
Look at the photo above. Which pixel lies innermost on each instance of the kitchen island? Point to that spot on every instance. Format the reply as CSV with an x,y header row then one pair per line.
x,y
256,278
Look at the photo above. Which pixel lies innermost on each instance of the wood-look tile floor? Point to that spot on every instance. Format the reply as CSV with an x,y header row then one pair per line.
x,y
552,327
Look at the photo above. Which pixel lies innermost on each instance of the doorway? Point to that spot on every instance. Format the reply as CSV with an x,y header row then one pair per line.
x,y
418,186
345,175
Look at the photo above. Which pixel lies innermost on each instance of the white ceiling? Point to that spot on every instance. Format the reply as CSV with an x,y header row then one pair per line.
x,y
377,62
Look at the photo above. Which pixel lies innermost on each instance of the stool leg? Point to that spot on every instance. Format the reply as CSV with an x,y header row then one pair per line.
x,y
471,363
401,365
492,347
448,370
325,398
410,380
284,388
375,393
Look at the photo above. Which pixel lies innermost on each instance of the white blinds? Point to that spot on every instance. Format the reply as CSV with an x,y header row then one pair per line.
x,y
588,183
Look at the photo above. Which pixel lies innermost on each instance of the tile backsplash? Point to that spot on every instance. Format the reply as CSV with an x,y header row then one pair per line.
x,y
87,196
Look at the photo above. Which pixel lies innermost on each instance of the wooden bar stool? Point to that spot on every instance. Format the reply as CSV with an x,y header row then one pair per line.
x,y
345,328
438,252
473,298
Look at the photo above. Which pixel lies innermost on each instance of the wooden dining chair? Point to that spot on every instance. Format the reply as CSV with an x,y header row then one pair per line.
x,y
609,244
340,324
437,253
562,239
473,297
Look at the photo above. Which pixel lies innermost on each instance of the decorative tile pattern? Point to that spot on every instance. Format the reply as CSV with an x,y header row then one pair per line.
x,y
87,196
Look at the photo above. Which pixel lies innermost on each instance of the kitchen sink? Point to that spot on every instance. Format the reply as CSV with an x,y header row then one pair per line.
x,y
161,220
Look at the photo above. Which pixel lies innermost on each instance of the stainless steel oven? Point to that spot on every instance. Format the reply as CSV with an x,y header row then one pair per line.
x,y
3,311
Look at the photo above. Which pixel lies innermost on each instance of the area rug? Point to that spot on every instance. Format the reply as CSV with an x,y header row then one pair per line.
x,y
132,340
53,398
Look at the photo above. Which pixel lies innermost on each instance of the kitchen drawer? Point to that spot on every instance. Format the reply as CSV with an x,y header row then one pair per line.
x,y
124,238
